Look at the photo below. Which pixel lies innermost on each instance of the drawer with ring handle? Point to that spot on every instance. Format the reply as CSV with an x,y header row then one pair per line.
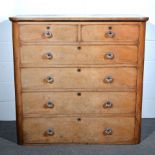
x,y
43,55
87,78
87,130
48,32
71,103
111,32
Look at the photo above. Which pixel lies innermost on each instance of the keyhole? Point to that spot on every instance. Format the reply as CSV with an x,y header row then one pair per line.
x,y
79,119
48,27
78,94
79,70
110,27
79,47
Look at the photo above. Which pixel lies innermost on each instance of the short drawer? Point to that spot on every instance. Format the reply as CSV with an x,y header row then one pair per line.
x,y
78,78
110,32
48,32
79,130
79,103
74,55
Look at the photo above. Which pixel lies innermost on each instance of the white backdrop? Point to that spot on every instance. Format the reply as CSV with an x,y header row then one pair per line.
x,y
25,7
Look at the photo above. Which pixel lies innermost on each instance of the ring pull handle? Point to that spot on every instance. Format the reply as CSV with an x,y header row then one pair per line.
x,y
50,132
109,34
108,79
109,55
50,79
50,104
107,131
48,55
48,34
107,104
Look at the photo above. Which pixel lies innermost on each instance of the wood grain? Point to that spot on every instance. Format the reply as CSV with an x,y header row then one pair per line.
x,y
17,77
79,103
87,78
79,130
89,18
122,32
35,33
140,82
78,69
76,55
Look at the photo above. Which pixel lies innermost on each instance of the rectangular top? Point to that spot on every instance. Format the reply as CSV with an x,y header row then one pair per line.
x,y
65,18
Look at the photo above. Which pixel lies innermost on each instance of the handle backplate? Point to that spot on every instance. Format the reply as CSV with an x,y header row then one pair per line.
x,y
50,132
109,55
48,55
48,34
108,79
107,131
107,104
50,104
50,79
110,34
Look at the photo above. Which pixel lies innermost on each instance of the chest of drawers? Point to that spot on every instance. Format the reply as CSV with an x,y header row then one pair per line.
x,y
78,79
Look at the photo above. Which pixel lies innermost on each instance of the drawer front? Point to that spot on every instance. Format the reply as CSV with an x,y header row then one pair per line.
x,y
55,55
48,33
78,130
79,102
80,78
110,32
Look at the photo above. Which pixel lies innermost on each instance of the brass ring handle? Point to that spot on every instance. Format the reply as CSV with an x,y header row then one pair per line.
x,y
50,104
50,79
50,132
48,34
107,131
109,34
49,55
109,55
108,79
107,104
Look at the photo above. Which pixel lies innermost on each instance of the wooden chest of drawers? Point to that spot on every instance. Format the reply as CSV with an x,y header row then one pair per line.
x,y
78,80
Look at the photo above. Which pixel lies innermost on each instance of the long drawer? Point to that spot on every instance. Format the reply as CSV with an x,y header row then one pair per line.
x,y
74,55
58,103
80,78
79,130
